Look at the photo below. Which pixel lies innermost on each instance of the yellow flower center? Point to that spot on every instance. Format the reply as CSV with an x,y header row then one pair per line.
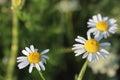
x,y
91,46
34,57
102,26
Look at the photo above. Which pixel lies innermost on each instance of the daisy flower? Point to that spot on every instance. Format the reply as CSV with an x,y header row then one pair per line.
x,y
32,58
16,2
90,48
101,26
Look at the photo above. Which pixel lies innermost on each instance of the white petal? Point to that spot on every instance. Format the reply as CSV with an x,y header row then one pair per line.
x,y
28,50
90,57
83,39
99,17
25,52
32,48
44,56
78,47
37,67
82,50
105,18
111,21
105,44
104,51
112,25
85,55
91,24
20,60
80,39
106,34
92,30
91,20
75,48
23,64
42,66
44,60
95,18
112,29
79,52
22,57
45,51
99,38
36,50
93,58
102,55
97,34
30,68
97,59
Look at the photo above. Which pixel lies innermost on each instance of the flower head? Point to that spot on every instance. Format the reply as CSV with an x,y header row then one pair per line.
x,y
102,26
109,67
90,48
67,6
16,2
32,58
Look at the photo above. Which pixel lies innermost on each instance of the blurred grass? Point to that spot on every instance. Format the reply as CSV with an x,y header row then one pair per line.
x,y
42,24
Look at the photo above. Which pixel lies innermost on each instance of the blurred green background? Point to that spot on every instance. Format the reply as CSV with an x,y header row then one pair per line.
x,y
54,24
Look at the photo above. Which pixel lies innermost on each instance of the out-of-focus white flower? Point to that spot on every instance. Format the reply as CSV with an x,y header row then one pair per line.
x,y
66,5
16,2
32,58
101,26
108,67
5,59
90,48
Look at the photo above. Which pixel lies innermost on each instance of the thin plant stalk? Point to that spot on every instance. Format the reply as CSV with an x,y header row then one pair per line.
x,y
41,75
82,72
14,46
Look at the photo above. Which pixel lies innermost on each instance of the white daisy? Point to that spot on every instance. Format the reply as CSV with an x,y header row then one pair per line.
x,y
32,58
90,48
101,26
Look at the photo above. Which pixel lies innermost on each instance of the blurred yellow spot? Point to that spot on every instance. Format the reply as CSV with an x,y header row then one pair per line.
x,y
16,2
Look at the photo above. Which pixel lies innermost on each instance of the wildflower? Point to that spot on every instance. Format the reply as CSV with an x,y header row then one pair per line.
x,y
32,58
109,67
17,2
90,48
68,6
102,26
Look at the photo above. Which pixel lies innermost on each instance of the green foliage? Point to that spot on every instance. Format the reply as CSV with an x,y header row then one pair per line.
x,y
42,24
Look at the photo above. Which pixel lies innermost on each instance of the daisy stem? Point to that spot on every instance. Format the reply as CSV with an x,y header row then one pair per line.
x,y
82,72
41,75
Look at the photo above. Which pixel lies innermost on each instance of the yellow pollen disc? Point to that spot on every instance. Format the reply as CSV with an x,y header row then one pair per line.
x,y
91,46
34,57
102,26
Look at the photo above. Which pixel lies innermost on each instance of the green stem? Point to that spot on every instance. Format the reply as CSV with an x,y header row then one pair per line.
x,y
69,27
82,72
41,75
14,47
